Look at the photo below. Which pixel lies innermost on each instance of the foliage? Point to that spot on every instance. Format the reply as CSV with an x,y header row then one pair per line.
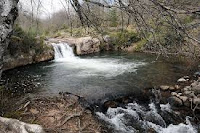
x,y
124,38
25,41
113,17
140,45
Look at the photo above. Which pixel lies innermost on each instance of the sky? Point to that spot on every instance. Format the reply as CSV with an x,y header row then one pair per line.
x,y
47,7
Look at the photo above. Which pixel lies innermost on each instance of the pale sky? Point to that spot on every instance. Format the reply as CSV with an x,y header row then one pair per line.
x,y
46,9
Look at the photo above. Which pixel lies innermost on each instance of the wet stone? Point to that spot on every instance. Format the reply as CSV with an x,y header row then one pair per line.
x,y
196,100
181,80
175,101
164,87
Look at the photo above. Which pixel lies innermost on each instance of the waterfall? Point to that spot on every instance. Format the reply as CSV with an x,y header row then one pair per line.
x,y
63,52
87,66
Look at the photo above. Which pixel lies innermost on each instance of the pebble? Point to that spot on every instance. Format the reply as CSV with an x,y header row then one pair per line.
x,y
181,80
171,88
164,87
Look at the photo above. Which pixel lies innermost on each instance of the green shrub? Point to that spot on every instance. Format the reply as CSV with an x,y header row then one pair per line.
x,y
25,41
140,45
124,38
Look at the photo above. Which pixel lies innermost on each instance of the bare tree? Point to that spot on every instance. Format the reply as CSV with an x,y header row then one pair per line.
x,y
152,18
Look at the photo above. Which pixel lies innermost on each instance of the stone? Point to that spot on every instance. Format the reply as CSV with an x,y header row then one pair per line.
x,y
197,73
164,87
198,95
16,126
187,103
171,88
189,93
87,45
186,77
183,98
182,80
196,100
195,83
155,118
34,111
196,89
175,101
177,87
110,104
179,94
187,88
174,94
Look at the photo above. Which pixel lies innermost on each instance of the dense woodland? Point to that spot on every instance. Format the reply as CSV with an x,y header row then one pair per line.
x,y
159,26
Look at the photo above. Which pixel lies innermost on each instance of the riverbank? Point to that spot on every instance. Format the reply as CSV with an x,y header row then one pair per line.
x,y
63,113
185,94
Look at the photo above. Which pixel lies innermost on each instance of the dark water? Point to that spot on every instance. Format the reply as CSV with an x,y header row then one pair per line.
x,y
97,76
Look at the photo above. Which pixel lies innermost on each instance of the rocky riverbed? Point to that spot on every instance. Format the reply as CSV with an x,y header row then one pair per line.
x,y
185,94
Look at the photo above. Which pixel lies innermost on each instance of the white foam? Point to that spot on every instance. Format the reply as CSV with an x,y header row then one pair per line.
x,y
119,118
108,67
166,107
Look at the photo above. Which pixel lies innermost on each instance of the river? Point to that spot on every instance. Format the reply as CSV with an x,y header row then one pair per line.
x,y
101,76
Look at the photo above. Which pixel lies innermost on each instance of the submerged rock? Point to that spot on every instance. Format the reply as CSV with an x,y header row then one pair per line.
x,y
175,101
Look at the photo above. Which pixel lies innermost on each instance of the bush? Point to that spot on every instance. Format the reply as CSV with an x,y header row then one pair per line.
x,y
124,38
25,41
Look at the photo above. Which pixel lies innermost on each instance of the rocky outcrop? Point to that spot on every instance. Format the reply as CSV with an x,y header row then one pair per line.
x,y
20,59
87,45
82,46
8,14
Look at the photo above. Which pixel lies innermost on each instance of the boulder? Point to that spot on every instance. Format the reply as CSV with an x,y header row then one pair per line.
x,y
16,126
175,101
87,45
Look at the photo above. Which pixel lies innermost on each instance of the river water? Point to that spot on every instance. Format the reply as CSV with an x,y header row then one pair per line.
x,y
104,76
